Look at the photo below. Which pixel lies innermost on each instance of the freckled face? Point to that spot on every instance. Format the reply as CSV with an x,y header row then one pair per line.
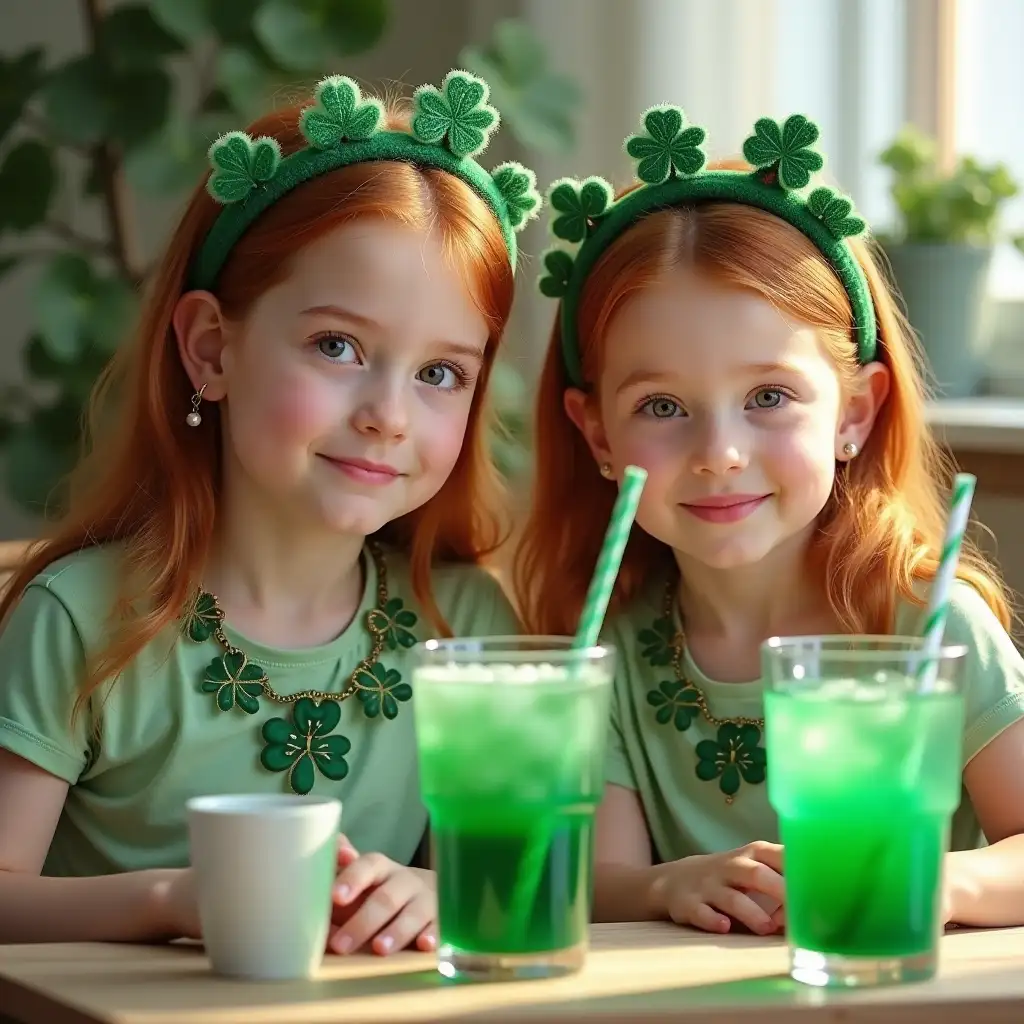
x,y
732,410
349,385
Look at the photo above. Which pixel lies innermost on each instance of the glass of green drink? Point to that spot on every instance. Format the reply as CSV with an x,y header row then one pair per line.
x,y
864,739
511,740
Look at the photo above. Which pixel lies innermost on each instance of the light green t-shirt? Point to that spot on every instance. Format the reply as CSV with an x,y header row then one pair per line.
x,y
164,740
687,815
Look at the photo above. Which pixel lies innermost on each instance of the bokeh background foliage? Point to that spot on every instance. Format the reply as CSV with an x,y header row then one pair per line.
x,y
131,117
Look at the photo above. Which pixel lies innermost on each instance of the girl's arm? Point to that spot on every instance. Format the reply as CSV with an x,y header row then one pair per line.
x,y
133,907
985,888
623,873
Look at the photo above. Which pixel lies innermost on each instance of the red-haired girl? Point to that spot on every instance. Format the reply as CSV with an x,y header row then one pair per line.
x,y
289,485
734,336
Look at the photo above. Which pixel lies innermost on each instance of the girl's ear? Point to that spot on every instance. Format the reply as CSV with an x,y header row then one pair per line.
x,y
583,410
860,409
199,329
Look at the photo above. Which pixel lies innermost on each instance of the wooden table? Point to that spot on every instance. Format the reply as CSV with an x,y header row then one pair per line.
x,y
635,972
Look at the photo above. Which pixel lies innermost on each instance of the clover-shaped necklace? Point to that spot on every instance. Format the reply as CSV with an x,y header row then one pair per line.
x,y
306,744
736,754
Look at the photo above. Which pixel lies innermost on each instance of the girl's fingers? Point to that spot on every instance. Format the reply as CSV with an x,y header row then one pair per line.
x,y
708,919
742,908
409,925
381,907
755,876
347,853
427,939
361,874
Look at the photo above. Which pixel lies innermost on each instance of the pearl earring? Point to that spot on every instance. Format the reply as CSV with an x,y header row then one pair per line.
x,y
606,470
193,419
850,450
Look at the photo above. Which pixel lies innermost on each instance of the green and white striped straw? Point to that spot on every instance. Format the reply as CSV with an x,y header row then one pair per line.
x,y
938,605
588,633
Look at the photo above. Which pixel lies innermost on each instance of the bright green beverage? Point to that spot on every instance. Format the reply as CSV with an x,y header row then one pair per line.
x,y
864,775
511,762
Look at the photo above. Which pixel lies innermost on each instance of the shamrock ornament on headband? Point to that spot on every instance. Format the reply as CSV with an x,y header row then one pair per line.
x,y
671,172
451,125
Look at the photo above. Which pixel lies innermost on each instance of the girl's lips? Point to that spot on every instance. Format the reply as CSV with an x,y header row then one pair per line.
x,y
726,509
365,472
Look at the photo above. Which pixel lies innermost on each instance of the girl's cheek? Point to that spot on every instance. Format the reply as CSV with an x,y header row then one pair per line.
x,y
298,410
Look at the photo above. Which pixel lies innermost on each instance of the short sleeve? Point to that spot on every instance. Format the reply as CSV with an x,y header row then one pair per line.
x,y
993,679
42,661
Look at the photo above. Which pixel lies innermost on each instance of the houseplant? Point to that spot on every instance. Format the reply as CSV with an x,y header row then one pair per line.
x,y
131,117
941,251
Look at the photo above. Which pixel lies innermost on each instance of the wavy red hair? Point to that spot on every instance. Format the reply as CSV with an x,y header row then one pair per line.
x,y
881,531
150,482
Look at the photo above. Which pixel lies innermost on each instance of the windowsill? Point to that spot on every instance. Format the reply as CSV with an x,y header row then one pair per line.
x,y
987,423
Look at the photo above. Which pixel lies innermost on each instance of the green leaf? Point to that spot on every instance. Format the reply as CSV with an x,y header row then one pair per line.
x,y
20,76
112,312
27,181
62,304
86,102
303,35
139,104
131,37
558,266
187,20
232,19
76,102
35,468
170,162
76,309
246,80
536,103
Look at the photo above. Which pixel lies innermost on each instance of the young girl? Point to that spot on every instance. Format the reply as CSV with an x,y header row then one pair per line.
x,y
739,342
289,485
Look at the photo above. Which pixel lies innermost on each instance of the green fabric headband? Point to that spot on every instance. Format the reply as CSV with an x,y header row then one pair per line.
x,y
670,166
450,126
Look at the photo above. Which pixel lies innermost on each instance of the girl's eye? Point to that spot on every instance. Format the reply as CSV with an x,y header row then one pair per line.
x,y
338,348
445,376
660,407
768,398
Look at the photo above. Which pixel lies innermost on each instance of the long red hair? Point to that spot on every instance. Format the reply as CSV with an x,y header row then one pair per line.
x,y
151,482
882,528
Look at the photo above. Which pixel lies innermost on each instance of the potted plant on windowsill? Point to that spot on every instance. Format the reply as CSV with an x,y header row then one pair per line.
x,y
941,252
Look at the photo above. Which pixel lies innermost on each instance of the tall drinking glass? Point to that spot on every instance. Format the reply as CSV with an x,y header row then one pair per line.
x,y
864,738
511,738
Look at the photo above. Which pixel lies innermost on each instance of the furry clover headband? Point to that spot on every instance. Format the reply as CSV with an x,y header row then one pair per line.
x,y
450,126
670,169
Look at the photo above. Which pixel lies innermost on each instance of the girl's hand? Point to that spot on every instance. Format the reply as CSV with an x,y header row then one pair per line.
x,y
713,890
379,901
178,906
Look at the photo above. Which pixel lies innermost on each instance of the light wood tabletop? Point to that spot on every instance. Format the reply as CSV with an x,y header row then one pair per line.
x,y
635,972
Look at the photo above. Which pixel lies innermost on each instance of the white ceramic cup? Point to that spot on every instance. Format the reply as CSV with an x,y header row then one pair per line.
x,y
264,867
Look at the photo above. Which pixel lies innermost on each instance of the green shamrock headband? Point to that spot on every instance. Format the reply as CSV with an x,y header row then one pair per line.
x,y
450,126
670,166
